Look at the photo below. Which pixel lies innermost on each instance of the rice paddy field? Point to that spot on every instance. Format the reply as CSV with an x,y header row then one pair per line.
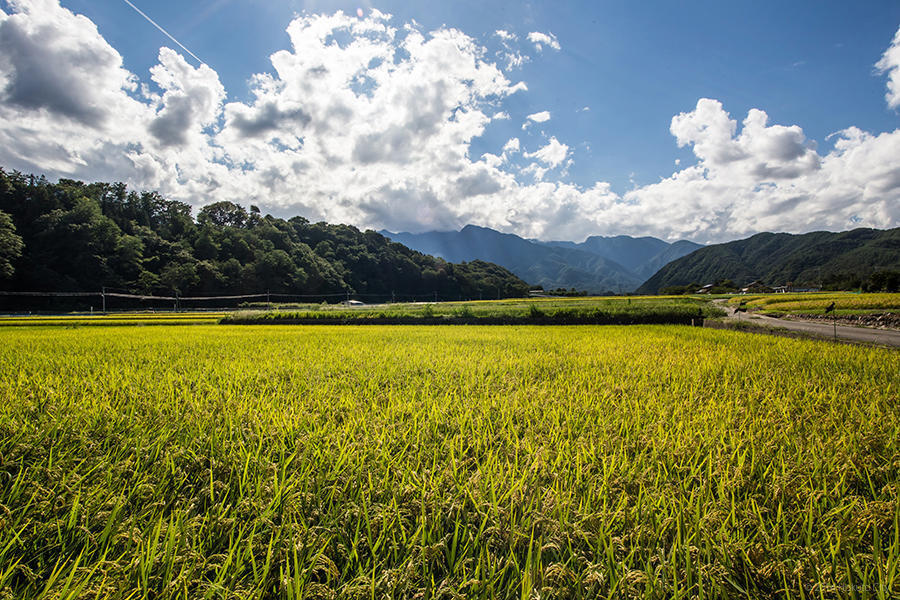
x,y
445,462
137,318
845,303
589,310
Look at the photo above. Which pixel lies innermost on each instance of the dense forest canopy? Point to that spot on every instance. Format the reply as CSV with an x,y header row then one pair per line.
x,y
867,259
73,236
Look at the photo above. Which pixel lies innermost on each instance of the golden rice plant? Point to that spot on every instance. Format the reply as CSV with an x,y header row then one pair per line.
x,y
417,462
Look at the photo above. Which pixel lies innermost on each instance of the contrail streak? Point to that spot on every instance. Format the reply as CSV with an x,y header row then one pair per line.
x,y
166,33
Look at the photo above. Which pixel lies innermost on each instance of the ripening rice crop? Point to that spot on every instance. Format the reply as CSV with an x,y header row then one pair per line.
x,y
417,462
77,320
817,303
142,318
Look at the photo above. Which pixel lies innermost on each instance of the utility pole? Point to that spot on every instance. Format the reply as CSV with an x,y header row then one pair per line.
x,y
831,310
103,296
435,296
393,297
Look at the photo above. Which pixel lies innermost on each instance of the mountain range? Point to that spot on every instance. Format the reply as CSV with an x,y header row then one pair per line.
x,y
821,259
598,264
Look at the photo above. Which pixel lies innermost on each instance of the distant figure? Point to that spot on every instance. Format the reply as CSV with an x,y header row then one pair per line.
x,y
740,307
830,308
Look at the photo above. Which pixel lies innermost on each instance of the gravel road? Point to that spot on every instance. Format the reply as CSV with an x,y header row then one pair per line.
x,y
883,337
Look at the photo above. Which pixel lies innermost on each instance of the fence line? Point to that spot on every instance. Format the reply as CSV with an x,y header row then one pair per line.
x,y
67,294
203,298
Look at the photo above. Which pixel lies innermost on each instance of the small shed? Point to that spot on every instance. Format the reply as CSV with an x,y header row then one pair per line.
x,y
756,287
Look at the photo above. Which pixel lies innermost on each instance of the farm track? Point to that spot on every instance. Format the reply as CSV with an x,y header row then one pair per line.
x,y
864,335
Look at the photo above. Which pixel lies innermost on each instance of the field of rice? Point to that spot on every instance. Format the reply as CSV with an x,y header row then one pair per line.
x,y
845,303
141,318
591,310
438,462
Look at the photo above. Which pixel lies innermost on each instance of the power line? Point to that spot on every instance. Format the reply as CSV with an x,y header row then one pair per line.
x,y
222,297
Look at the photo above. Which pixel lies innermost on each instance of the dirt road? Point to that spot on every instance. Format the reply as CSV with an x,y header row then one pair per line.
x,y
882,337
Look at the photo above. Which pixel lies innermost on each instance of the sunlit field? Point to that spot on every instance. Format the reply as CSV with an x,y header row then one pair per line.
x,y
141,318
426,462
595,310
845,303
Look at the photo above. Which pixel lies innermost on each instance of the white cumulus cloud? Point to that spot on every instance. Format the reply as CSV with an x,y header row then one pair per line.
x,y
890,65
192,99
543,39
511,146
538,117
371,122
511,52
553,154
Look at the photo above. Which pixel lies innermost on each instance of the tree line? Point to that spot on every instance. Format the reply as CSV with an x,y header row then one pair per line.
x,y
75,236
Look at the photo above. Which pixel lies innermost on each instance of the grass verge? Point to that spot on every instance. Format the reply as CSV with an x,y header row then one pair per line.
x,y
598,311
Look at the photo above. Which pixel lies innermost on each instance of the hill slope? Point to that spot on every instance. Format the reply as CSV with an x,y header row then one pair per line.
x,y
817,259
598,264
79,237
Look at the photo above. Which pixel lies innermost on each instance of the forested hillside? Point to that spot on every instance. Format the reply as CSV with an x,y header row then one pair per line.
x,y
861,258
72,236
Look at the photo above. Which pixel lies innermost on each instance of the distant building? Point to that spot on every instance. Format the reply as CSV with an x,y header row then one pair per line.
x,y
705,289
756,287
352,303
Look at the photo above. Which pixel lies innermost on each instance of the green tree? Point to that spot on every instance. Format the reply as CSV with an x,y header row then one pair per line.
x,y
77,244
11,245
223,214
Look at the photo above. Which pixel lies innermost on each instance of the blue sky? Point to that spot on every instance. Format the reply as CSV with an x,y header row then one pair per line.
x,y
608,160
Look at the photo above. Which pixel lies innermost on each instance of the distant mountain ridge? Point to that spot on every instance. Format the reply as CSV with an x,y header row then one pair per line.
x,y
599,264
817,259
642,256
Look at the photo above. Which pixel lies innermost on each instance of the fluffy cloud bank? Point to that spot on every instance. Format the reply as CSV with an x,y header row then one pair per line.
x,y
369,122
890,64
